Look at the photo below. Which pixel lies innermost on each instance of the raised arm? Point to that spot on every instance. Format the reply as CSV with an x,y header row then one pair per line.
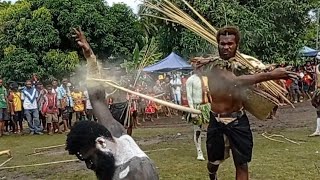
x,y
92,63
96,91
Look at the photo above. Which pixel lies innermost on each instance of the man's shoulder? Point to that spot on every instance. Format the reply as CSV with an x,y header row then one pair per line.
x,y
192,77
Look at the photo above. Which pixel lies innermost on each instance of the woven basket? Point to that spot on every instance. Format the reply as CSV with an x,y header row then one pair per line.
x,y
259,104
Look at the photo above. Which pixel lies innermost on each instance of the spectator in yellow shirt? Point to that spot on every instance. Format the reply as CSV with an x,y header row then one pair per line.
x,y
79,103
15,103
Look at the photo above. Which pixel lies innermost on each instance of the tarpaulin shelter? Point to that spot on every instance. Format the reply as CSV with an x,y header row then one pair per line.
x,y
308,52
170,63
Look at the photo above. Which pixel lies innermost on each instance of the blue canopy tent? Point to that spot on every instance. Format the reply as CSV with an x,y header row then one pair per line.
x,y
308,52
170,63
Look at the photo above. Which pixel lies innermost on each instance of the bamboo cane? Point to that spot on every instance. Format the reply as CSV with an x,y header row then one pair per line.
x,y
41,164
176,15
5,162
164,149
7,152
159,101
47,147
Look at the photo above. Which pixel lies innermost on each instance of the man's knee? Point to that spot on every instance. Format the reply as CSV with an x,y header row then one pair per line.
x,y
242,167
212,168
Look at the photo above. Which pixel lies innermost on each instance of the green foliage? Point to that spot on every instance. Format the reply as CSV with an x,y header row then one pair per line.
x,y
148,55
19,64
43,29
59,63
270,29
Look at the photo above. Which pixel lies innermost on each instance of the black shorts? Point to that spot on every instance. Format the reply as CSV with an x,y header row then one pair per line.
x,y
239,135
119,111
18,116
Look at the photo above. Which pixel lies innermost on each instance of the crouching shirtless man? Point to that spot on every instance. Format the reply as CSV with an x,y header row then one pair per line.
x,y
229,125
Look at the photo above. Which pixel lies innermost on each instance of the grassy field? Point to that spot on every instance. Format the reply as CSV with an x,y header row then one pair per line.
x,y
271,160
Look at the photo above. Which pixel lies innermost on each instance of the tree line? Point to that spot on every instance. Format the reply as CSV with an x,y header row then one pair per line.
x,y
36,35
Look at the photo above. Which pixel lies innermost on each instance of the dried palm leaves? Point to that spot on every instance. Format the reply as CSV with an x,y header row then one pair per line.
x,y
172,13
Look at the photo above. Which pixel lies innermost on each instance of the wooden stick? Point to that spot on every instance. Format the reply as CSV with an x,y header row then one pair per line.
x,y
48,147
7,152
41,164
34,154
164,149
165,103
6,162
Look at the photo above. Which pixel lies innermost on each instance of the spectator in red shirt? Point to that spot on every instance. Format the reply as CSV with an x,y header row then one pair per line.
x,y
50,110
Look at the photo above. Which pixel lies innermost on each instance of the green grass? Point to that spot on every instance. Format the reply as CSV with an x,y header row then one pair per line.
x,y
271,160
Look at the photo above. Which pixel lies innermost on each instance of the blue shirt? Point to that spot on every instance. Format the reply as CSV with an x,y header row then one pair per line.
x,y
65,93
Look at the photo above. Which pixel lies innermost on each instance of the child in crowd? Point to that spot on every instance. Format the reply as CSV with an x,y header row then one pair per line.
x,y
79,103
50,110
151,107
15,105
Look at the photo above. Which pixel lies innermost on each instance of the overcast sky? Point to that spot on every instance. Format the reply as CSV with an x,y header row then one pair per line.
x,y
132,3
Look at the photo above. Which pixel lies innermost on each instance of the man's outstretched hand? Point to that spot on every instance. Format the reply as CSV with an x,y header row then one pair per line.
x,y
283,73
82,41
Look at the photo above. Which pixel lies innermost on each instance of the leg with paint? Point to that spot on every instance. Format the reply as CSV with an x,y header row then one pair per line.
x,y
197,141
212,168
317,132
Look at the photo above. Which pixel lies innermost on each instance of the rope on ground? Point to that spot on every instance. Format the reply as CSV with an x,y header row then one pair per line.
x,y
269,136
263,134
164,149
5,162
41,164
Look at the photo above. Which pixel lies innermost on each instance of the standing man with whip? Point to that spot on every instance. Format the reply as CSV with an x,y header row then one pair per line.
x,y
229,127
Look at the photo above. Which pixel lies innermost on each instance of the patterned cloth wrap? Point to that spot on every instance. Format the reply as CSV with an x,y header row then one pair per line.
x,y
202,118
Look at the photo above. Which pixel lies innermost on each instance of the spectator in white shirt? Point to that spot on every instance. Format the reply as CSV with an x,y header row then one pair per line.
x,y
176,89
29,97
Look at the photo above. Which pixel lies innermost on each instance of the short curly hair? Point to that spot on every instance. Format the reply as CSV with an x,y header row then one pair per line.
x,y
229,30
83,136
